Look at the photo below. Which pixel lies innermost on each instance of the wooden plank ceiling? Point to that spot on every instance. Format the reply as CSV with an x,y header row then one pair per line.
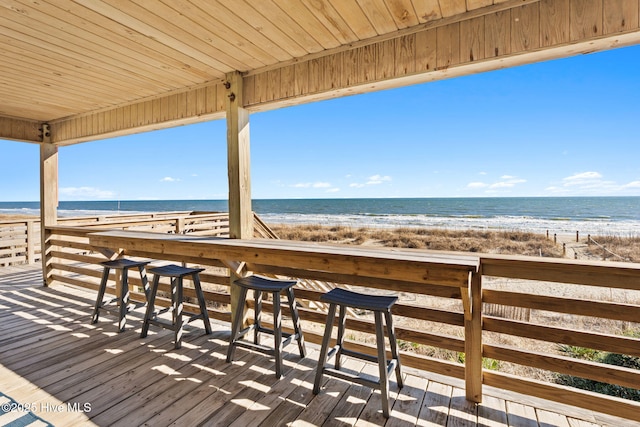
x,y
65,59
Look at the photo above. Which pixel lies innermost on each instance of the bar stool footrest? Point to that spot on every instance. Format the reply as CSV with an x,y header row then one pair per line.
x,y
257,347
356,378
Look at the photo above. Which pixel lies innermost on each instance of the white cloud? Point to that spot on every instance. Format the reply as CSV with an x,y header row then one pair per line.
x,y
169,179
582,178
356,185
632,184
333,190
477,185
312,185
510,183
87,193
378,179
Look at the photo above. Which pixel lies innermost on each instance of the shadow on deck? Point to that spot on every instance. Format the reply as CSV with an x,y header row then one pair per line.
x,y
60,369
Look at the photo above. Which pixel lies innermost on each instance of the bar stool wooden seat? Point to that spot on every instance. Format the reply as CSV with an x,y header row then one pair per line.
x,y
379,305
121,265
259,285
177,274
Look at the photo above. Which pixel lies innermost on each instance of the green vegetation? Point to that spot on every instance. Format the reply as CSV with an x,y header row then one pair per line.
x,y
623,360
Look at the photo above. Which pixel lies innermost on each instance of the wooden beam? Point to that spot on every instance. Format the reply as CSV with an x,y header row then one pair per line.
x,y
48,199
507,34
194,105
20,130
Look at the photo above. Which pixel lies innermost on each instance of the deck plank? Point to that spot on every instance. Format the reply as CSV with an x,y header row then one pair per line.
x,y
435,406
408,402
51,356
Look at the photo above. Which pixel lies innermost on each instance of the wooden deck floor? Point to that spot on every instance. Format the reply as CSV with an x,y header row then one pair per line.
x,y
66,371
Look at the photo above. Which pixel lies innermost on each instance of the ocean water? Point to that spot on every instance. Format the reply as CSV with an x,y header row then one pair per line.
x,y
588,215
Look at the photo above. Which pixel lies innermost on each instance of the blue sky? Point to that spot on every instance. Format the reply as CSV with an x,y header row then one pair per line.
x,y
567,127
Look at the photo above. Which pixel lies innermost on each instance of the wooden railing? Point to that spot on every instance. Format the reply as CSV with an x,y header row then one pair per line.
x,y
20,239
431,323
19,242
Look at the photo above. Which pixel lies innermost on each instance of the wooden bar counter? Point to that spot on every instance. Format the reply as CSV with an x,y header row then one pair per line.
x,y
399,270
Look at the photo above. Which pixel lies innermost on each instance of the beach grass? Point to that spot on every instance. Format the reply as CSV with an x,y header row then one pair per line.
x,y
480,241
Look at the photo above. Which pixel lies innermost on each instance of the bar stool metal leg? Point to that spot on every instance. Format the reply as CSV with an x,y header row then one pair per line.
x,y
296,322
342,321
237,325
101,290
277,333
202,303
382,364
324,349
178,306
257,314
394,347
150,306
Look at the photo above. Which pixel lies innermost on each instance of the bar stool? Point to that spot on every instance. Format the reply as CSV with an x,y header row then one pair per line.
x,y
259,285
176,273
380,305
121,265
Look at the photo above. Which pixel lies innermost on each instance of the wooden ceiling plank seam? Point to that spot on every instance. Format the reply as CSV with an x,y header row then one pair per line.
x,y
525,28
198,28
497,35
254,37
620,15
472,40
403,13
38,107
555,29
405,57
385,56
311,24
427,10
62,49
452,7
75,64
23,58
585,18
151,47
477,4
333,72
141,27
176,27
264,26
27,71
448,46
426,50
332,20
352,14
51,35
308,20
42,97
279,27
231,35
287,82
379,15
103,38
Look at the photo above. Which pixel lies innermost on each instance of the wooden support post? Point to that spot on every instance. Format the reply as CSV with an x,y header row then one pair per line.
x,y
48,198
473,341
31,244
238,156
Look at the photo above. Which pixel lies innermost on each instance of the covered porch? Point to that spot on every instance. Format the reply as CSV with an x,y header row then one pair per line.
x,y
91,70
